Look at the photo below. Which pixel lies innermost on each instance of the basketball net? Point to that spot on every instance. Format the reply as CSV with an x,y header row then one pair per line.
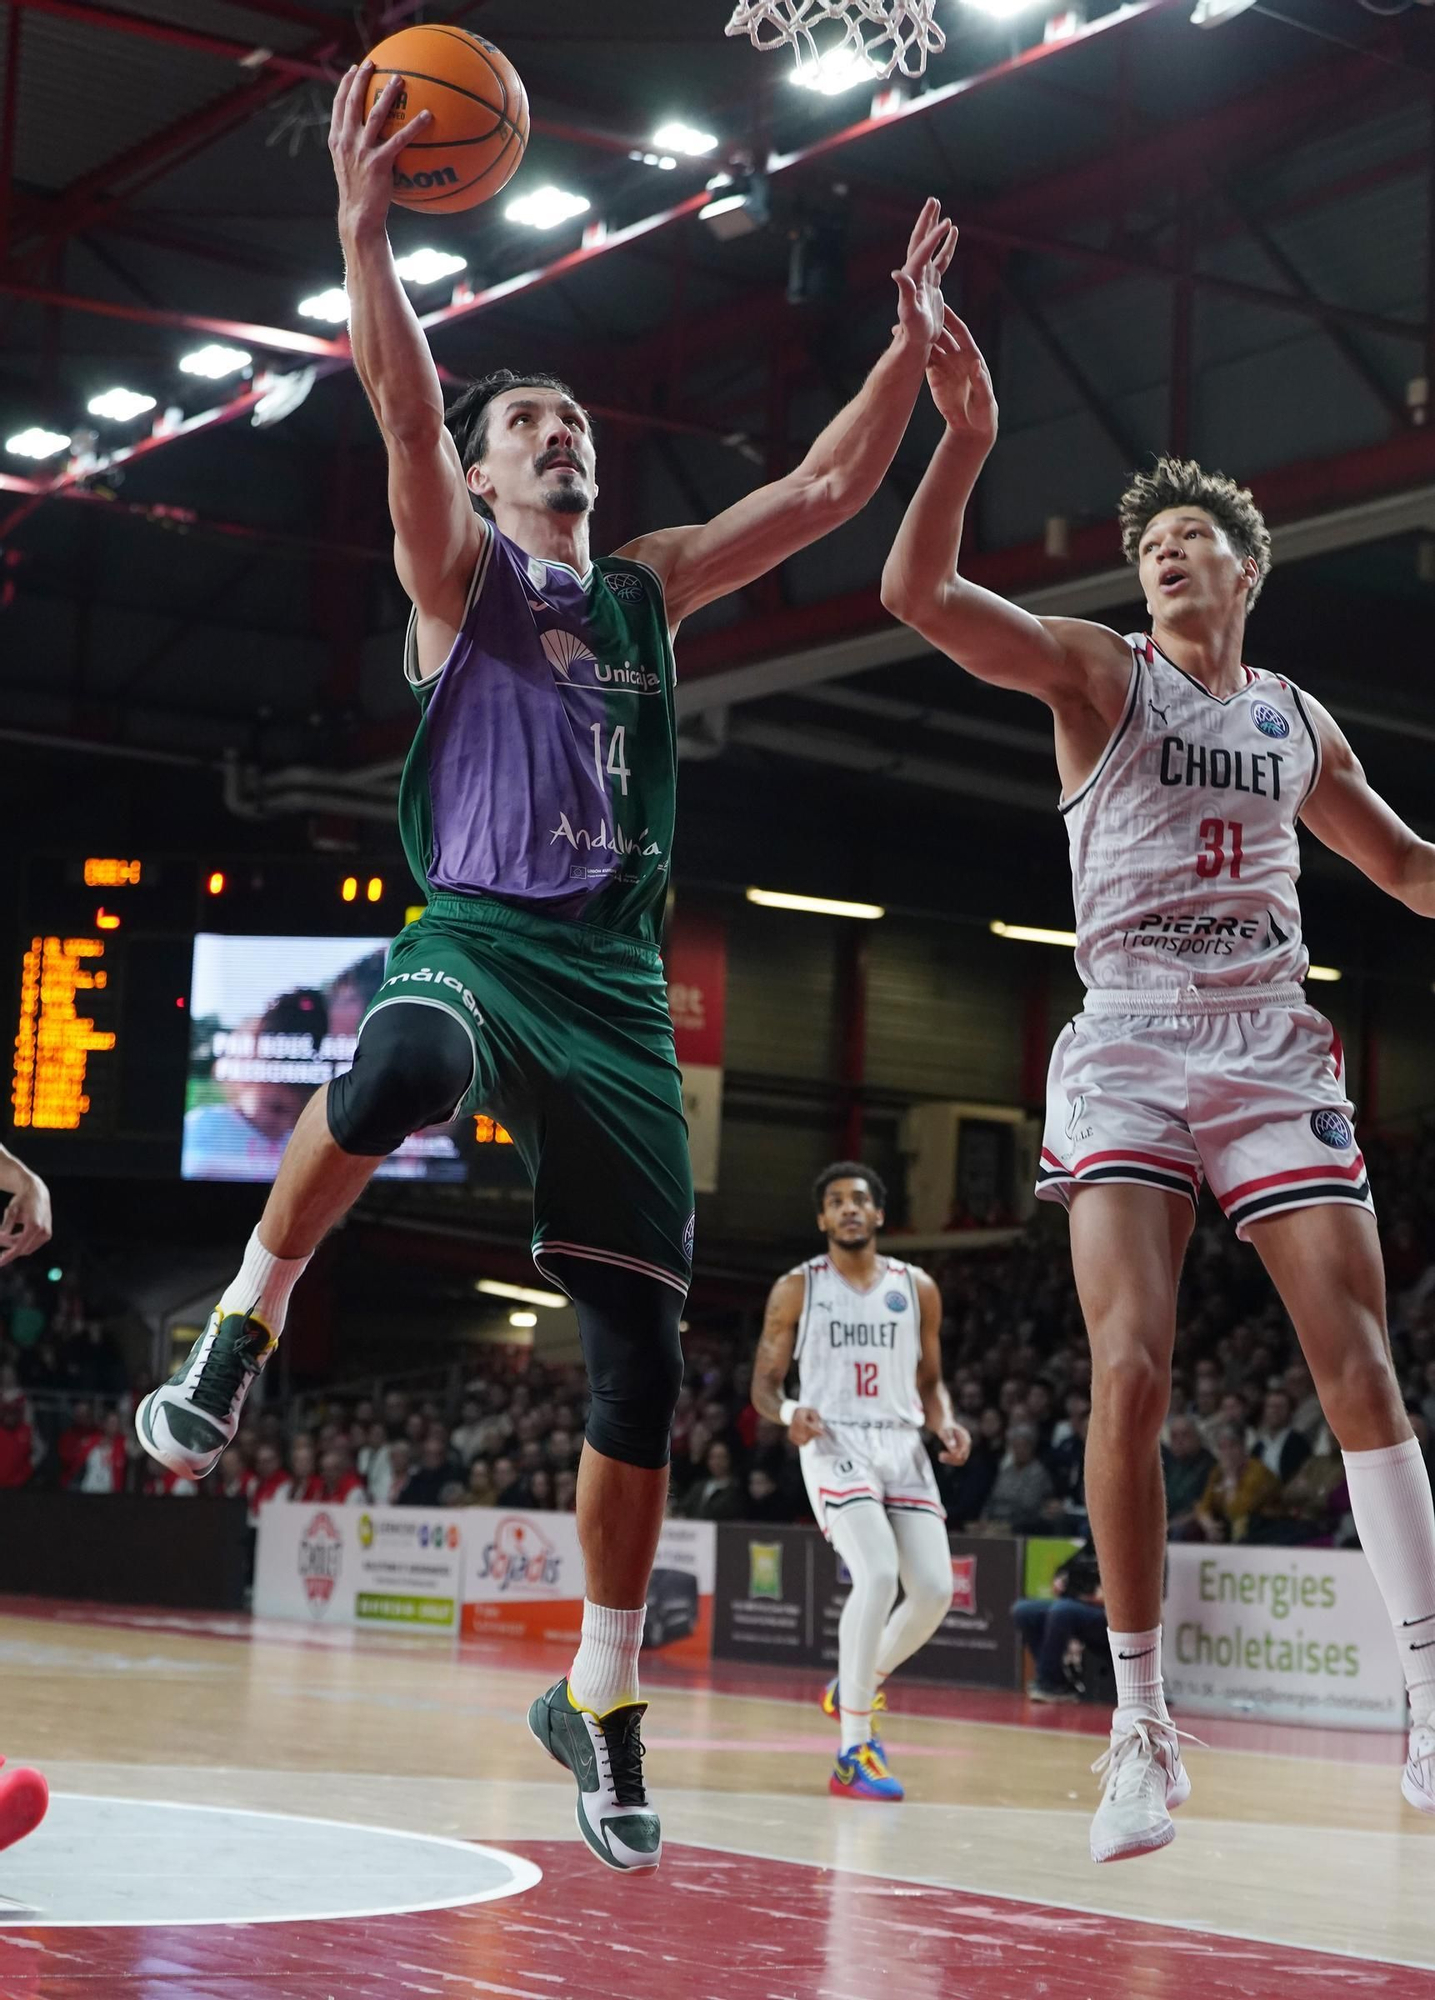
x,y
889,34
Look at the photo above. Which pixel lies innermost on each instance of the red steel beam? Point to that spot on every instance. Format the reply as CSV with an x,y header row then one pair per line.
x,y
279,339
90,15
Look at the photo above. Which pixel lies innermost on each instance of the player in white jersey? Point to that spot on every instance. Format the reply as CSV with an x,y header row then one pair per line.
x,y
865,1332
1184,773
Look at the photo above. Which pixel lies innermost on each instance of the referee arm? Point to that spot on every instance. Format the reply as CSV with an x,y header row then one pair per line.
x,y
774,1362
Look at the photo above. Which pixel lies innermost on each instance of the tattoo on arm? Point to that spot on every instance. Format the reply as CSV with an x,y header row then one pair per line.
x,y
774,1350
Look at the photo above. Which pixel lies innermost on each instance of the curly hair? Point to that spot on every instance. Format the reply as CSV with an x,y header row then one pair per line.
x,y
1181,482
848,1170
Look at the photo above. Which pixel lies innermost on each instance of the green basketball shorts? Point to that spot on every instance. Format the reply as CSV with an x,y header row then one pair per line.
x,y
573,1053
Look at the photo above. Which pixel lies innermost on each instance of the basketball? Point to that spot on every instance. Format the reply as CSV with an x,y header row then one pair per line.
x,y
480,116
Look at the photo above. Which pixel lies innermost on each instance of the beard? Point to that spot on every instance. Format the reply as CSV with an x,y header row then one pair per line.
x,y
572,499
857,1242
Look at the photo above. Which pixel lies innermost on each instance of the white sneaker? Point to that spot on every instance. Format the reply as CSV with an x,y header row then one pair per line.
x,y
1417,1780
188,1421
1144,1779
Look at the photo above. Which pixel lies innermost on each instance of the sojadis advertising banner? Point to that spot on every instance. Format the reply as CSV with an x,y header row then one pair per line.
x,y
524,1580
360,1565
1298,1635
780,1593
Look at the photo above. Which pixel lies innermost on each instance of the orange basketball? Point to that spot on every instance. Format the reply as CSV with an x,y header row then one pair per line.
x,y
480,116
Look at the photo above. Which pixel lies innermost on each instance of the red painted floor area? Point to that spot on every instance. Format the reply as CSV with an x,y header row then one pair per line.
x,y
707,1927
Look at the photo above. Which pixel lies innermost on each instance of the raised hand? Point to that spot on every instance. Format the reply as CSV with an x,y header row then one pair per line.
x,y
960,382
920,304
27,1221
363,158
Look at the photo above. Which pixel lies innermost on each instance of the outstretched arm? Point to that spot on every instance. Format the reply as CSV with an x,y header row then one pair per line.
x,y
437,534
840,473
1056,659
26,1222
774,1360
1349,815
937,1409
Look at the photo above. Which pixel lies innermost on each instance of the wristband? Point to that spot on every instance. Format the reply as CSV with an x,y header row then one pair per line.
x,y
786,1410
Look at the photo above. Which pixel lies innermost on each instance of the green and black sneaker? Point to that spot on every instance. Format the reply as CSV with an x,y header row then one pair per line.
x,y
605,1755
187,1422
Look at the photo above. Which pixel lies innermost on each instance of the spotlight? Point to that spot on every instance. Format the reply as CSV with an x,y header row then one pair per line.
x,y
331,306
36,443
215,362
120,406
546,208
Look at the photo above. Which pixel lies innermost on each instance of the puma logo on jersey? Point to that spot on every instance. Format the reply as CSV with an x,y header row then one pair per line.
x,y
1159,713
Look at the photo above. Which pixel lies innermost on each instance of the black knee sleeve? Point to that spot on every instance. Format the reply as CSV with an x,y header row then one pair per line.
x,y
629,1328
412,1066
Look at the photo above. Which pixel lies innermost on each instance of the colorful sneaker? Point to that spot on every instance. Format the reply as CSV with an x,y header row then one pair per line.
x,y
1144,1779
862,1774
605,1755
1417,1780
187,1422
830,1707
24,1801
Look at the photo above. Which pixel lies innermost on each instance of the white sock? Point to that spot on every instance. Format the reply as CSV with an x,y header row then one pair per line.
x,y
1390,1499
262,1285
1137,1659
604,1673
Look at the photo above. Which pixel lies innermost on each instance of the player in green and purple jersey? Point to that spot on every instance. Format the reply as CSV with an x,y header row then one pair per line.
x,y
537,810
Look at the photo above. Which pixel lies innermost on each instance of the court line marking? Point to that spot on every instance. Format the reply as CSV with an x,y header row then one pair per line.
x,y
1192,1925
524,1874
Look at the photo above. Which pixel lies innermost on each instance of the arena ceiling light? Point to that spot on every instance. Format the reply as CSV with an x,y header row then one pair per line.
x,y
1215,13
546,208
676,137
120,406
1327,973
523,1319
1031,933
835,71
36,443
215,361
816,906
525,1295
426,267
332,306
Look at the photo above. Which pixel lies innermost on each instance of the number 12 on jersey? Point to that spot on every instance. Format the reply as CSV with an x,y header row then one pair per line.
x,y
866,1378
617,755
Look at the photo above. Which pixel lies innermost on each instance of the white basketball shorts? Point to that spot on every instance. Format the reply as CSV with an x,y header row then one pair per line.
x,y
1253,1102
855,1464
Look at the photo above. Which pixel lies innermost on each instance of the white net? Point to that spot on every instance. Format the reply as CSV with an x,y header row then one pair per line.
x,y
886,34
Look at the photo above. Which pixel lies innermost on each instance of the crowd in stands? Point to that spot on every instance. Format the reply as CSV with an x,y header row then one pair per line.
x,y
1246,1451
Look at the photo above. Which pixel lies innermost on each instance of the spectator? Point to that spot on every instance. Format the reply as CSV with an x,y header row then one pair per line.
x,y
106,1461
717,1496
1186,1466
510,1489
374,1448
565,1491
1280,1448
1206,1407
434,1472
397,1468
1073,1615
1022,1488
73,1447
236,1481
1239,1487
1310,1507
965,1489
764,1501
305,1483
540,1489
1306,1414
479,1491
468,1438
271,1481
339,1484
17,1440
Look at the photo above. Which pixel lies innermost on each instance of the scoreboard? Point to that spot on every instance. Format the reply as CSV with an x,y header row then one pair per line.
x,y
58,1080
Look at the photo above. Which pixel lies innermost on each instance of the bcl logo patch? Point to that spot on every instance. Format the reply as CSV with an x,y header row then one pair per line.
x,y
895,1302
1332,1128
1269,721
628,588
690,1237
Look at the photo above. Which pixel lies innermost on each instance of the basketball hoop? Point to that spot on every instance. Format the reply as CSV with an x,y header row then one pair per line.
x,y
888,34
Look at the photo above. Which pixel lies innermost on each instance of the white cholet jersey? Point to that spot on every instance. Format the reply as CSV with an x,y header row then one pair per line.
x,y
1184,853
857,1352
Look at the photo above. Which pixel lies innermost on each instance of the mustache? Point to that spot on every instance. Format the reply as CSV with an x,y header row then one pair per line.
x,y
557,455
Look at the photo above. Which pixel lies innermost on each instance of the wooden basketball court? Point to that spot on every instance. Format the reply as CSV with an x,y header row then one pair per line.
x,y
243,1808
